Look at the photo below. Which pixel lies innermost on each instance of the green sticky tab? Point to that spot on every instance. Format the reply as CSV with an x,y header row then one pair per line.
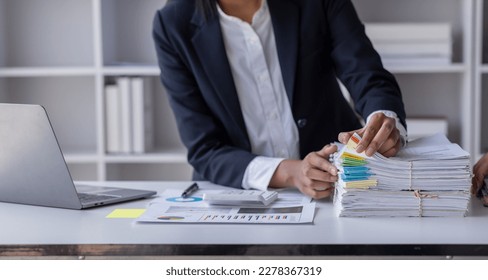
x,y
353,162
125,213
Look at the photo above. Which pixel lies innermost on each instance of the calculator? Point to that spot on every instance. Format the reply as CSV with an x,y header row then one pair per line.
x,y
241,197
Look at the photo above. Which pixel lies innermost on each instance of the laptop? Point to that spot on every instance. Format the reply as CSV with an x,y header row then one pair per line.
x,y
33,170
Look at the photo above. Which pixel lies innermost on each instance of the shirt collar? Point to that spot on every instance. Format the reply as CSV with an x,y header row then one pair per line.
x,y
257,17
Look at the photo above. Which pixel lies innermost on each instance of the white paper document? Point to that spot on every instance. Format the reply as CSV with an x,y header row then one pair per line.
x,y
289,208
431,177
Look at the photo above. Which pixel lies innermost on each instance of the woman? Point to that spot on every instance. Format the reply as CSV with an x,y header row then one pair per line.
x,y
253,86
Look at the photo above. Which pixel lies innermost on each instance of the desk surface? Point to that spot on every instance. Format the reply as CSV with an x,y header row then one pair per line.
x,y
43,231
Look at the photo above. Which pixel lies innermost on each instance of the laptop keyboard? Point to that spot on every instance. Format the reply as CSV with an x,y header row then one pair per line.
x,y
89,198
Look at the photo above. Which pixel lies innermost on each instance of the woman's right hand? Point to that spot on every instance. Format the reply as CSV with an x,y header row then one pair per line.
x,y
313,176
480,170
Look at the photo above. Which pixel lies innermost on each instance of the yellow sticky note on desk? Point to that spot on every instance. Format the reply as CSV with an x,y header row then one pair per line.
x,y
126,213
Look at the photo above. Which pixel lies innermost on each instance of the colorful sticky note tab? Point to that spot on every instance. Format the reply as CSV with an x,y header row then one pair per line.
x,y
355,169
347,178
353,141
125,213
352,156
353,162
363,184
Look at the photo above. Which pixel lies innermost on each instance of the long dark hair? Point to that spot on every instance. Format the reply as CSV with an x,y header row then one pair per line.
x,y
208,8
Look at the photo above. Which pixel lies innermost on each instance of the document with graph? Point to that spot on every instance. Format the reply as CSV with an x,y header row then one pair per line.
x,y
291,207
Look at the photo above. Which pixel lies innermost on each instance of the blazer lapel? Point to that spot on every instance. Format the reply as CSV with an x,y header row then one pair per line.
x,y
285,18
209,46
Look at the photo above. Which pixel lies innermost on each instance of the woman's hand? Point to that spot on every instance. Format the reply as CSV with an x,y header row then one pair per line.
x,y
379,135
313,176
480,170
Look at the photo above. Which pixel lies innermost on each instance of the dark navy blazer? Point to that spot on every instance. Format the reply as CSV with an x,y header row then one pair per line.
x,y
317,41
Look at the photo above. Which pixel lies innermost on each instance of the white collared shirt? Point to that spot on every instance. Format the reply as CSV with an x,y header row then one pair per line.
x,y
251,50
252,54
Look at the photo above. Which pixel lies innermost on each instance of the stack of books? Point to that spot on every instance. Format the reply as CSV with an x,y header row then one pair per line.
x,y
412,43
129,116
429,178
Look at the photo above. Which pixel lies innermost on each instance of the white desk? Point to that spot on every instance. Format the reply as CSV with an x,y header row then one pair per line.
x,y
43,231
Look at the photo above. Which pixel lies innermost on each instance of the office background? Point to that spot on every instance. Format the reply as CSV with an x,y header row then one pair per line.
x,y
63,53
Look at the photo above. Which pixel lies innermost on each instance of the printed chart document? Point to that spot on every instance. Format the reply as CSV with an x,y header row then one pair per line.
x,y
291,207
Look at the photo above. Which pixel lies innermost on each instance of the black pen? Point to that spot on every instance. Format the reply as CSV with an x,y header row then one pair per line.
x,y
190,190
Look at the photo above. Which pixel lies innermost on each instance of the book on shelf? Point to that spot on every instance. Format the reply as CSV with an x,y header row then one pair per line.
x,y
403,44
397,49
112,119
123,84
142,115
129,116
416,61
408,32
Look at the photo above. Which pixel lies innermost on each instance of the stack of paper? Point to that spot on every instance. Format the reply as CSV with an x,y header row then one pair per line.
x,y
412,43
430,177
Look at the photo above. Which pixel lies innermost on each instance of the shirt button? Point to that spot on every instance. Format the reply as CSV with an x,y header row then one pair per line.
x,y
302,123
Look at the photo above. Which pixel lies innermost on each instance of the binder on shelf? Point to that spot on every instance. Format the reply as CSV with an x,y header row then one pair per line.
x,y
129,116
402,44
142,115
414,49
408,32
123,84
416,61
112,119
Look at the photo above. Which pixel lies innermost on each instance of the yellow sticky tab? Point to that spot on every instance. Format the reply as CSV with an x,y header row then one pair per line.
x,y
125,213
364,184
349,155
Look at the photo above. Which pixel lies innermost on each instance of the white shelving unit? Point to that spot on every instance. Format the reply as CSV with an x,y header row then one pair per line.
x,y
481,78
434,91
60,54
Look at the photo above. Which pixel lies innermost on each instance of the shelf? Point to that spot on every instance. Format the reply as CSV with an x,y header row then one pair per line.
x,y
484,69
420,69
80,157
455,12
177,156
481,80
46,71
131,71
483,120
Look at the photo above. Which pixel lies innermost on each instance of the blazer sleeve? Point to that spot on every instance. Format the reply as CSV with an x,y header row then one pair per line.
x,y
210,149
358,65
